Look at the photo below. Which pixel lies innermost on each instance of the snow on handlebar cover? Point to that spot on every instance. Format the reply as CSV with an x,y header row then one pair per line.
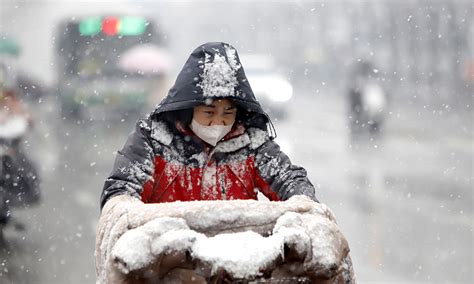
x,y
244,238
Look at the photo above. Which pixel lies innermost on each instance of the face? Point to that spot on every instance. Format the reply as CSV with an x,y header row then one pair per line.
x,y
219,112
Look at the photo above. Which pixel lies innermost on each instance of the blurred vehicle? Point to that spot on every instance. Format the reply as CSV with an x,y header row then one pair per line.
x,y
19,183
110,63
367,99
271,89
26,86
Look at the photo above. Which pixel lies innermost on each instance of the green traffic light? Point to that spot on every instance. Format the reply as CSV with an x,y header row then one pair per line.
x,y
130,26
90,26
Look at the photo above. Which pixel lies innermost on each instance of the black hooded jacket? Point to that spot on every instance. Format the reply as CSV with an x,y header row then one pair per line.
x,y
198,80
164,161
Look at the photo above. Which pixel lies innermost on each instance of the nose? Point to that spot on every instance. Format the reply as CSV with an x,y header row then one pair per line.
x,y
217,121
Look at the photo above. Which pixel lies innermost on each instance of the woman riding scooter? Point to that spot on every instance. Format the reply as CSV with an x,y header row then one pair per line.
x,y
209,139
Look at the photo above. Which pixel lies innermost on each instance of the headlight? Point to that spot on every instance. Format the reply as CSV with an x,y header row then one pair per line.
x,y
273,88
279,90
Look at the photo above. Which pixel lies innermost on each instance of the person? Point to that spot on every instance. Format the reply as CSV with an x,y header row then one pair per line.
x,y
367,99
19,182
10,104
209,139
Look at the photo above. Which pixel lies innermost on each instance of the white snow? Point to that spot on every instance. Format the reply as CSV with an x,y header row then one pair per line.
x,y
139,172
133,250
232,57
143,124
219,78
134,257
201,158
257,137
242,254
209,181
161,133
233,144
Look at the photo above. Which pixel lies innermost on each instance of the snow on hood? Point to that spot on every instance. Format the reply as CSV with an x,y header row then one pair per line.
x,y
219,77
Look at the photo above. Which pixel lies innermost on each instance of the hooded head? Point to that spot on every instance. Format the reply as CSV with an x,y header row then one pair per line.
x,y
212,71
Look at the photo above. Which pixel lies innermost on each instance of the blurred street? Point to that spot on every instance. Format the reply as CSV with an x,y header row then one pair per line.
x,y
402,197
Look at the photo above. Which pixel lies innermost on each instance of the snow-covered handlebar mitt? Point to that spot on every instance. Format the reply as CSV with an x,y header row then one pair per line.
x,y
244,239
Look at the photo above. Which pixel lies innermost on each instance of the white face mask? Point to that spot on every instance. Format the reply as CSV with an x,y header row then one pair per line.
x,y
211,134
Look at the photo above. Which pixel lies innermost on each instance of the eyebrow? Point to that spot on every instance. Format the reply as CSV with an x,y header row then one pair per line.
x,y
211,106
227,108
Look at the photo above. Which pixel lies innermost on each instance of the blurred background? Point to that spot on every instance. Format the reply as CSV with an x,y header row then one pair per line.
x,y
373,98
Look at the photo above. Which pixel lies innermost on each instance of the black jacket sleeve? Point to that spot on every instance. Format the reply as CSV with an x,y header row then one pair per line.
x,y
284,178
133,165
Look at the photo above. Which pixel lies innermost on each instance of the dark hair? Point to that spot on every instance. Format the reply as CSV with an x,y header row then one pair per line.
x,y
171,117
251,119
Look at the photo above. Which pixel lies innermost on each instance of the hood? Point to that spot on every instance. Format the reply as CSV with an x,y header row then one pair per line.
x,y
213,70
